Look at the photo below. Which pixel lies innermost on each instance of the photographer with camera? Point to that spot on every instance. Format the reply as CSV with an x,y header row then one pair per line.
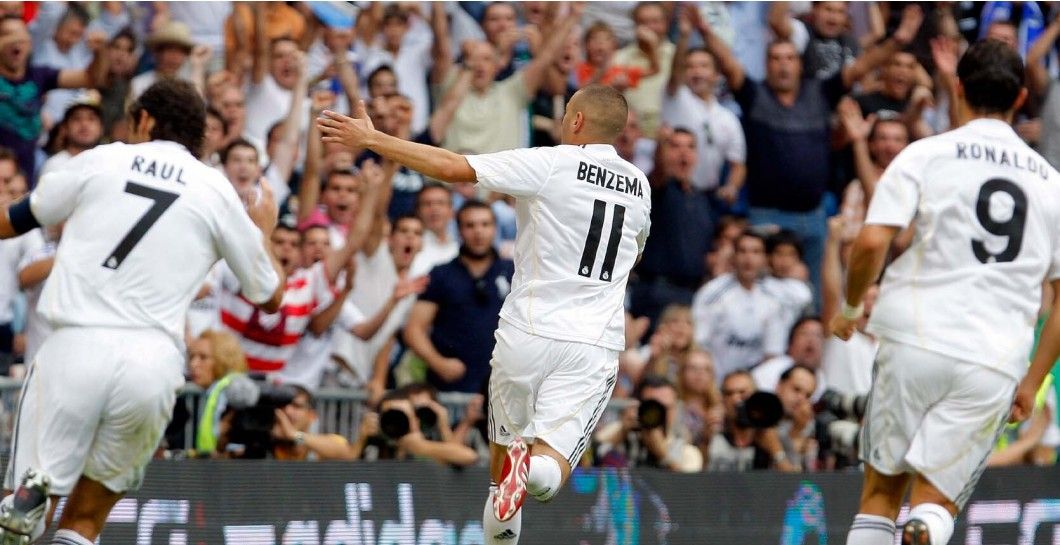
x,y
410,424
748,438
797,428
292,439
648,433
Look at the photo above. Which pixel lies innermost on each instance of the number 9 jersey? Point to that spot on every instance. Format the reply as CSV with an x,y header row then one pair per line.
x,y
583,215
144,224
986,209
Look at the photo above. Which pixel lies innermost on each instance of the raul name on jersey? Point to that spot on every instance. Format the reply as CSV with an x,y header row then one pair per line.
x,y
1001,157
609,180
158,169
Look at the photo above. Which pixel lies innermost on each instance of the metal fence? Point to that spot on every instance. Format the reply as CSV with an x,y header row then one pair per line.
x,y
338,410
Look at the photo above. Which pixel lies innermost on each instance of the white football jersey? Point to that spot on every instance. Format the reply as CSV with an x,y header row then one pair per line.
x,y
144,224
583,216
987,213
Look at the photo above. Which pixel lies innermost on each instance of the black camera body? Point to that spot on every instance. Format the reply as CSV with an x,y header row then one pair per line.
x,y
651,414
394,423
760,411
844,406
255,415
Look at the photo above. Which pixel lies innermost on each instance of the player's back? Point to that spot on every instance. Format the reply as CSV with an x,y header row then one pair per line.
x,y
987,211
145,224
583,214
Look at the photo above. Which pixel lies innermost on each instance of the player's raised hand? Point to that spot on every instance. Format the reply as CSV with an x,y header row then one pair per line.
x,y
263,211
353,132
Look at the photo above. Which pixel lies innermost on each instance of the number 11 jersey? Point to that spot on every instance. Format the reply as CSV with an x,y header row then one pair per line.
x,y
583,215
144,224
986,209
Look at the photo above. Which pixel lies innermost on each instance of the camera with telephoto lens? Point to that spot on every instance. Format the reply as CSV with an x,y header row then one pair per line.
x,y
651,414
254,404
760,411
843,406
394,423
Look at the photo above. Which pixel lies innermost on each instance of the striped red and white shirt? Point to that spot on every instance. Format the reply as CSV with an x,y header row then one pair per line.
x,y
269,340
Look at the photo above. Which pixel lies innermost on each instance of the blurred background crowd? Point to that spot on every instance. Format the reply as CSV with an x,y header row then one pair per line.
x,y
762,128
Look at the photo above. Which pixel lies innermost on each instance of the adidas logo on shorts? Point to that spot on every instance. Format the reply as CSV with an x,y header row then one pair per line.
x,y
506,534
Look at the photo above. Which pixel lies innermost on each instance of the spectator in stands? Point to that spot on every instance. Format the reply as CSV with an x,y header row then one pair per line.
x,y
80,129
1042,85
23,85
735,446
735,318
645,99
270,340
123,57
214,140
281,140
805,344
292,439
786,121
662,442
250,29
451,326
434,206
689,101
674,259
239,160
214,358
511,42
876,142
702,414
64,48
599,65
171,46
826,45
276,71
483,111
632,146
668,350
787,281
797,429
371,444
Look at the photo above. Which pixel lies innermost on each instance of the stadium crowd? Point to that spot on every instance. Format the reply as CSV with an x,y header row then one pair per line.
x,y
762,129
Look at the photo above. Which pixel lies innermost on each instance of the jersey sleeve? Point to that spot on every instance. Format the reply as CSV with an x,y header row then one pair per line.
x,y
642,236
897,193
57,192
518,172
241,245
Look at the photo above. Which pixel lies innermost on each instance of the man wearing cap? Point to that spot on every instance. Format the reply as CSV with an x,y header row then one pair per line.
x,y
81,129
170,45
22,86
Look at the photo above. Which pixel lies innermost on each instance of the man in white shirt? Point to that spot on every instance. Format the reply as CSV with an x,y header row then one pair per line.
x,y
144,223
689,102
434,206
956,312
83,127
735,318
584,217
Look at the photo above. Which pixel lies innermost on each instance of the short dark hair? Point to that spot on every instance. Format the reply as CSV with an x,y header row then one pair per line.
x,y
646,4
338,172
778,42
126,33
433,185
652,381
611,106
737,373
212,112
884,121
407,216
74,12
992,75
685,131
380,70
178,110
784,237
474,204
237,143
6,154
791,371
799,323
752,233
274,127
394,11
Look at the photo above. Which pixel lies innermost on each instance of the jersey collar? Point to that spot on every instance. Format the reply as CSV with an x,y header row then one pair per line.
x,y
599,147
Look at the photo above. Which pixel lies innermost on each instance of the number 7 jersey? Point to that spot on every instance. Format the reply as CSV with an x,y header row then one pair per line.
x,y
583,215
986,209
144,224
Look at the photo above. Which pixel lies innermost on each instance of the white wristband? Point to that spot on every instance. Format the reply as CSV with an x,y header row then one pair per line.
x,y
852,313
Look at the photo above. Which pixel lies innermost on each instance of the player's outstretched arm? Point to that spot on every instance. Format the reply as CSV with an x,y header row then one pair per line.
x,y
866,263
358,132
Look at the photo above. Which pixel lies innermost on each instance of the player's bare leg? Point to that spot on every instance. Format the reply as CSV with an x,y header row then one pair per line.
x,y
518,471
85,513
930,517
881,497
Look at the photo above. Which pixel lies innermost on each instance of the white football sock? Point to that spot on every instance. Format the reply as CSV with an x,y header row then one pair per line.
x,y
938,520
871,530
497,532
69,537
545,477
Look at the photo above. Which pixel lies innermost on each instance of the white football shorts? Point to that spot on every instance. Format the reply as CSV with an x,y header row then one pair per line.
x,y
934,415
96,402
549,390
